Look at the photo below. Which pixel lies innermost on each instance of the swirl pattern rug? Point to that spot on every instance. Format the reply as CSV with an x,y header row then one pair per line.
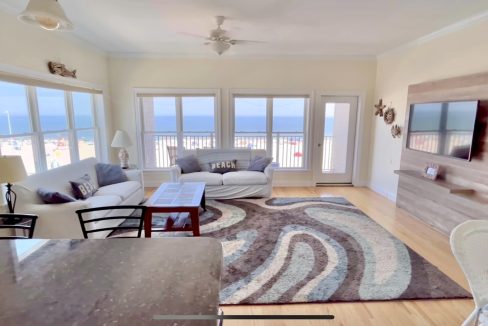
x,y
299,250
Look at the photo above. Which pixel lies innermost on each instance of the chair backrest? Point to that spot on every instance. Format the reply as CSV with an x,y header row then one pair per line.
x,y
84,215
469,243
18,223
172,151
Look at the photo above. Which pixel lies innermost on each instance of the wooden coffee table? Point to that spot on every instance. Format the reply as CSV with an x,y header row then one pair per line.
x,y
185,197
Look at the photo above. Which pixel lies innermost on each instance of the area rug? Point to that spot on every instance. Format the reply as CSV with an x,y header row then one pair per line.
x,y
302,250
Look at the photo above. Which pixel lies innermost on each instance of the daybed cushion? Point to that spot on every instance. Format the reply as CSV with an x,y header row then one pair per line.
x,y
210,179
123,190
244,178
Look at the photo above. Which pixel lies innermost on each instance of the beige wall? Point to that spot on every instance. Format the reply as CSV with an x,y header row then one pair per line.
x,y
26,49
31,47
225,74
455,54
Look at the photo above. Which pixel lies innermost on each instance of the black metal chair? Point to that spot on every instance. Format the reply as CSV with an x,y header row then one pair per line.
x,y
111,214
18,222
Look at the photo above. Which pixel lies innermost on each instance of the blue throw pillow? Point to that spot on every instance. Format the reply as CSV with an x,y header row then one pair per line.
x,y
188,164
109,174
259,163
54,197
83,188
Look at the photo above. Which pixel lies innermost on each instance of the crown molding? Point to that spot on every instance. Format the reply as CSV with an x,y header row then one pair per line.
x,y
458,26
230,56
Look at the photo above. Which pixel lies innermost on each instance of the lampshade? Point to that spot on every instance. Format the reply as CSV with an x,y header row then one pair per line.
x,y
46,13
12,169
121,139
220,47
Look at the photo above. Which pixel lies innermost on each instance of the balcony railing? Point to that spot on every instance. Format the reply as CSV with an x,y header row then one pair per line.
x,y
327,154
160,148
288,148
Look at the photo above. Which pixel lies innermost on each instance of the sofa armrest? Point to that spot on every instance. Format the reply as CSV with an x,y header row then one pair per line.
x,y
174,173
56,221
135,175
269,171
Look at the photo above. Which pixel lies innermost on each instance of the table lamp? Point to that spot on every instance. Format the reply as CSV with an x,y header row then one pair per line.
x,y
121,140
11,170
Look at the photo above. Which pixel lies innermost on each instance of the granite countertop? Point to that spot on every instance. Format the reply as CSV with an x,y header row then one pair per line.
x,y
108,281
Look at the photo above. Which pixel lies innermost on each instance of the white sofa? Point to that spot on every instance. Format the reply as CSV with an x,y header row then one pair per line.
x,y
238,184
59,221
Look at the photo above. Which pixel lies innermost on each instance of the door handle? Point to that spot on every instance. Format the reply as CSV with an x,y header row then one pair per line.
x,y
320,144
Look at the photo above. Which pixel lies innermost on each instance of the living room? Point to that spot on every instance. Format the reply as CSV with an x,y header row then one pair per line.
x,y
146,85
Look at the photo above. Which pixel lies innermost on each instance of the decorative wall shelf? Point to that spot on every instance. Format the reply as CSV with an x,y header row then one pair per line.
x,y
441,184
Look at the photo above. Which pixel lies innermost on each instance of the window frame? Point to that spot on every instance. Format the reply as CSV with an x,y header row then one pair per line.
x,y
37,135
269,95
139,93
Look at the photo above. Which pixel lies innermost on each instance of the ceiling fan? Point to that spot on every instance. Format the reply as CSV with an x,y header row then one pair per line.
x,y
219,39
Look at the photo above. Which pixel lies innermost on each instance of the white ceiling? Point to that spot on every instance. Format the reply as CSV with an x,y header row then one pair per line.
x,y
286,27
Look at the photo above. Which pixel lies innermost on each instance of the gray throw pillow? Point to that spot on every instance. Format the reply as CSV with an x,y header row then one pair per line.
x,y
223,166
109,174
83,188
188,164
259,163
54,197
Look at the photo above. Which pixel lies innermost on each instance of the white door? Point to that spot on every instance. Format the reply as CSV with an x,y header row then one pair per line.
x,y
333,150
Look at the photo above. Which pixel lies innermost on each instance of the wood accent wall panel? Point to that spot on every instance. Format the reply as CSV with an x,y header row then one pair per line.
x,y
443,210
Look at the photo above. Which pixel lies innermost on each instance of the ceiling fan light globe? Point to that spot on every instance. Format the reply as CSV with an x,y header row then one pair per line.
x,y
220,47
48,23
47,14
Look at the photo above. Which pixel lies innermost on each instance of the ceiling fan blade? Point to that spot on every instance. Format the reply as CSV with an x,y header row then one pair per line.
x,y
194,35
236,42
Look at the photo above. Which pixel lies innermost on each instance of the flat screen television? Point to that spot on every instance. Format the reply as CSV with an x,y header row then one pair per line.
x,y
443,128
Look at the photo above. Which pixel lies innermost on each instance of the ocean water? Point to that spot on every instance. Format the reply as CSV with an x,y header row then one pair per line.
x,y
20,124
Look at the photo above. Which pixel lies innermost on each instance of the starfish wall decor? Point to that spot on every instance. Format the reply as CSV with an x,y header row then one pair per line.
x,y
379,108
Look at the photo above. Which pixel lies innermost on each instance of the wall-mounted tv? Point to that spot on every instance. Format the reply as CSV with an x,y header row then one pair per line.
x,y
443,128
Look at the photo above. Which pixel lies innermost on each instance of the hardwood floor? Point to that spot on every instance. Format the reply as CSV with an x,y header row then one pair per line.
x,y
429,243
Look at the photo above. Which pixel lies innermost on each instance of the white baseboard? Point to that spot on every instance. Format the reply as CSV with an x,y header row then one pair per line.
x,y
297,183
380,190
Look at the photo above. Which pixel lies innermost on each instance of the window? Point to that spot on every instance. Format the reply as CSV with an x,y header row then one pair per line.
x,y
171,122
275,124
16,137
47,127
84,124
53,118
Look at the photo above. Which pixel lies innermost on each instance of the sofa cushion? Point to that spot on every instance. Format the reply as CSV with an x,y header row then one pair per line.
x,y
210,179
123,190
244,178
100,201
109,174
